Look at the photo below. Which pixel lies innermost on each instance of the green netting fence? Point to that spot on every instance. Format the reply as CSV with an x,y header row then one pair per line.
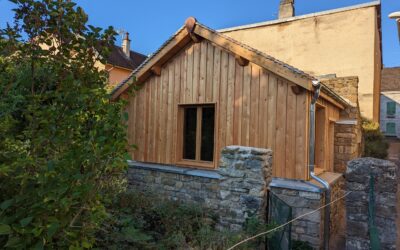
x,y
279,213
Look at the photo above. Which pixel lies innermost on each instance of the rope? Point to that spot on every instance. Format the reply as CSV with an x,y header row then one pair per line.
x,y
287,223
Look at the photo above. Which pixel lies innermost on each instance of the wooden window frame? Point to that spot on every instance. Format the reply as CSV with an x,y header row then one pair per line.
x,y
197,163
318,169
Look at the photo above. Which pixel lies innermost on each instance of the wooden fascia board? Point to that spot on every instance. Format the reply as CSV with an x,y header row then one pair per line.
x,y
252,57
175,45
331,100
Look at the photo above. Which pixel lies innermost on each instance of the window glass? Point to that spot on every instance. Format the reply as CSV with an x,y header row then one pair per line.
x,y
207,134
189,133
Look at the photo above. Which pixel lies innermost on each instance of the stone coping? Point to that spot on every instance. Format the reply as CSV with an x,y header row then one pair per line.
x,y
309,186
295,185
210,174
347,122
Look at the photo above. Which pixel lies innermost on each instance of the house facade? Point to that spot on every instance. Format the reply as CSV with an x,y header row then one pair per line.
x,y
197,97
390,102
202,92
345,42
121,62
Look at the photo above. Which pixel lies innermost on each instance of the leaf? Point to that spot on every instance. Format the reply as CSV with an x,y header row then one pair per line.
x,y
5,229
126,116
24,222
6,204
52,229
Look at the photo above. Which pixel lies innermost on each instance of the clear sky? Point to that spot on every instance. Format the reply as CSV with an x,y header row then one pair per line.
x,y
151,22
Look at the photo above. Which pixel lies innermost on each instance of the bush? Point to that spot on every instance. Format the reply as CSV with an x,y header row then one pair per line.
x,y
144,221
62,143
375,144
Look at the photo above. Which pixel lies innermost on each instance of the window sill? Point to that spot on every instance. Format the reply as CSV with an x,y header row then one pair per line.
x,y
196,164
211,174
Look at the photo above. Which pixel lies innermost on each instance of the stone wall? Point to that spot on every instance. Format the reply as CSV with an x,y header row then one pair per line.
x,y
386,203
346,87
305,197
348,133
390,79
235,191
348,143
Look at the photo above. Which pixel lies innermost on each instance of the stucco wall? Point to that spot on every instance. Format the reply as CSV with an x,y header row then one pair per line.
x,y
342,43
116,75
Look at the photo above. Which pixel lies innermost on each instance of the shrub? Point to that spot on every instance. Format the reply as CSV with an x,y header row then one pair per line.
x,y
144,221
62,143
375,144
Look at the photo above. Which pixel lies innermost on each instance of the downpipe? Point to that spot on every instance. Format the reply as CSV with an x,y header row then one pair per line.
x,y
317,87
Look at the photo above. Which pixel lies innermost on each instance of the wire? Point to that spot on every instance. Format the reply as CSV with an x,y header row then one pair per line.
x,y
287,223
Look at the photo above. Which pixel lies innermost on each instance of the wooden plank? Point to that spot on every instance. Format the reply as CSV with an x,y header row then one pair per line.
x,y
152,113
179,41
189,76
146,138
280,144
163,113
216,86
290,134
223,99
182,94
272,95
230,100
237,115
170,109
157,123
141,116
203,72
263,110
301,135
177,71
254,57
254,102
246,105
196,72
210,71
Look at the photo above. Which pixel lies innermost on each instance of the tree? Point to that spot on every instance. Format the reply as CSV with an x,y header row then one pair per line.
x,y
62,143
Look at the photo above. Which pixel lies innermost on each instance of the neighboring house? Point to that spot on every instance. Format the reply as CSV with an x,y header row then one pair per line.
x,y
390,102
345,42
121,62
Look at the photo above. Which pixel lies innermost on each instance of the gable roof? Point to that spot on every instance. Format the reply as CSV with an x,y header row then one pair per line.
x,y
118,58
193,30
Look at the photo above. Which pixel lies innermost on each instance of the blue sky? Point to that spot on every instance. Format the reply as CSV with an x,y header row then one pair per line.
x,y
150,23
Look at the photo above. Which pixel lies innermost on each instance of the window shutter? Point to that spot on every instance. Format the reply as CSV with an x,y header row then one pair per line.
x,y
391,108
390,128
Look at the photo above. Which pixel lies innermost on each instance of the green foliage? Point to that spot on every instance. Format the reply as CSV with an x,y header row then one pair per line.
x,y
144,221
300,245
62,143
375,144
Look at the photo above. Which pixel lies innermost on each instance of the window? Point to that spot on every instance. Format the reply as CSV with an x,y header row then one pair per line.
x,y
197,126
390,109
390,128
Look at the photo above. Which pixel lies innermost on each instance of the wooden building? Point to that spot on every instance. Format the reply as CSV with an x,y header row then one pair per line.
x,y
202,91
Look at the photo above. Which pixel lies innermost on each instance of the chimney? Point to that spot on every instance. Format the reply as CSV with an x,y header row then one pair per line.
x,y
126,45
286,9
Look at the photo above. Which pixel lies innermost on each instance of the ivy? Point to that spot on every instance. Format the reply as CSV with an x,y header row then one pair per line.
x,y
62,143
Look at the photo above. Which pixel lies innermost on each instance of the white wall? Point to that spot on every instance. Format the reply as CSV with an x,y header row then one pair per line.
x,y
392,96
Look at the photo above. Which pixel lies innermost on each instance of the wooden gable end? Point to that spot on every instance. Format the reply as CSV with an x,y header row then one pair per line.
x,y
254,107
